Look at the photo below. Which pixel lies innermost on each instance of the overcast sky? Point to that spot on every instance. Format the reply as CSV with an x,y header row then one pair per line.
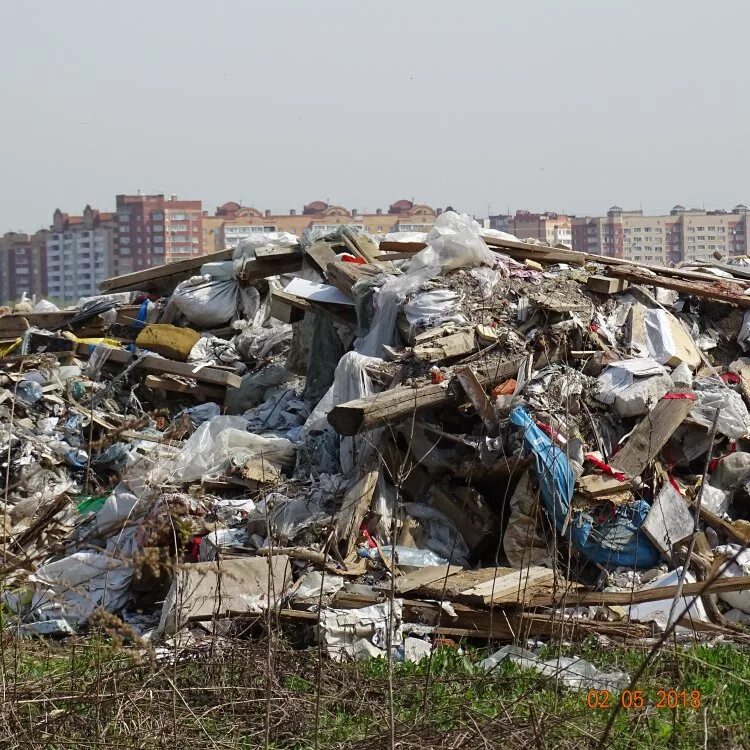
x,y
567,105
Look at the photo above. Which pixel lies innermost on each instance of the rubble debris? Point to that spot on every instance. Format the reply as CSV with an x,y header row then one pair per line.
x,y
471,422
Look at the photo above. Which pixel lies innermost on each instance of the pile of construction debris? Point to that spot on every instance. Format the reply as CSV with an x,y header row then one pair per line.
x,y
417,430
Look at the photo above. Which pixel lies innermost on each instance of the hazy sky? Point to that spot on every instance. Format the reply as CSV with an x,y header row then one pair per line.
x,y
568,105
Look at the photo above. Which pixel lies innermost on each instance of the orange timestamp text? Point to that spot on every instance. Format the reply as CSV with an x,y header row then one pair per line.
x,y
672,698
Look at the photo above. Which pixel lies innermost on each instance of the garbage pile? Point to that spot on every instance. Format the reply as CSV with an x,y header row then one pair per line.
x,y
464,420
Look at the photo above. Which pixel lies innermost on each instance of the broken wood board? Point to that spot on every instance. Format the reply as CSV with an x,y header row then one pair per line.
x,y
354,507
651,434
314,556
513,586
473,522
320,254
287,308
606,285
395,404
599,485
669,521
446,348
161,366
166,383
479,399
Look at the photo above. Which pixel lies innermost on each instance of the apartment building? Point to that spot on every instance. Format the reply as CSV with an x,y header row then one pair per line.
x,y
683,234
235,222
552,228
79,253
153,229
23,266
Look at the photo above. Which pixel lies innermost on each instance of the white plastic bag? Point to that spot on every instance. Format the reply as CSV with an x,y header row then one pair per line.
x,y
207,303
711,393
740,567
213,444
453,242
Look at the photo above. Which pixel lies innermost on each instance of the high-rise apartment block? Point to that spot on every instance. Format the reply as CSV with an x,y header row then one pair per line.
x,y
152,230
23,265
682,234
555,229
79,253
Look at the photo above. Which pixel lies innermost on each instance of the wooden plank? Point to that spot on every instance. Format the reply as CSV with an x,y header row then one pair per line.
x,y
176,386
393,405
284,260
288,308
449,347
154,364
432,574
142,280
669,521
599,485
512,586
624,598
651,434
473,389
320,254
717,289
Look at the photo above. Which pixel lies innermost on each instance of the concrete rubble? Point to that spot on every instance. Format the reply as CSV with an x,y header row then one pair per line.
x,y
382,442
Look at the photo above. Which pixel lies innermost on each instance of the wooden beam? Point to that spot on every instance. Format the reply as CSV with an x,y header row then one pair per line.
x,y
146,279
651,434
624,598
724,290
605,285
395,404
166,383
159,365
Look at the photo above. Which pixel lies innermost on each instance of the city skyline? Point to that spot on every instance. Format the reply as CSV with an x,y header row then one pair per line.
x,y
613,106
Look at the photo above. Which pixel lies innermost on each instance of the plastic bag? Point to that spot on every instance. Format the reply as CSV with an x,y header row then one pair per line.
x,y
711,393
487,279
453,242
207,303
213,444
409,556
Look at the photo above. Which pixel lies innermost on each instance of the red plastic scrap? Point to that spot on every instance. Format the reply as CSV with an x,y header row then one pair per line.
x,y
347,258
606,468
731,378
679,396
506,388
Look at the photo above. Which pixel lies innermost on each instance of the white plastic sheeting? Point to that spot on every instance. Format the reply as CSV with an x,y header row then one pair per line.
x,y
216,442
572,672
74,587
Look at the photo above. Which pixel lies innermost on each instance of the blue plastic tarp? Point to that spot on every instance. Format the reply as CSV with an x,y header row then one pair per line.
x,y
613,542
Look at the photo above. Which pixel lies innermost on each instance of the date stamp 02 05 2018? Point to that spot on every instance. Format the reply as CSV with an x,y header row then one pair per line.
x,y
666,699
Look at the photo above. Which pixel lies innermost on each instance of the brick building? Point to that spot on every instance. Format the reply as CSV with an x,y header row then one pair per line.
x,y
152,230
683,234
79,253
23,265
232,222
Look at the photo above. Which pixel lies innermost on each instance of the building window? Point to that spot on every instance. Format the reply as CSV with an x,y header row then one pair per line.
x,y
176,216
